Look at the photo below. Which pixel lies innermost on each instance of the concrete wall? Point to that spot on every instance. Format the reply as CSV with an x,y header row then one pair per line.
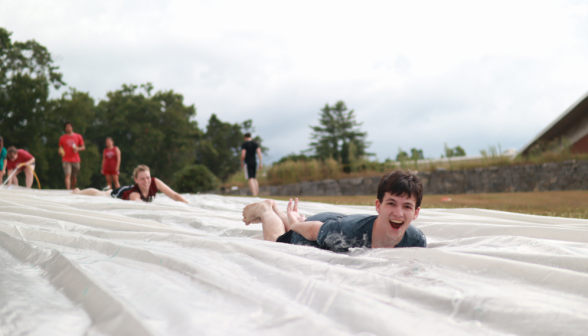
x,y
550,176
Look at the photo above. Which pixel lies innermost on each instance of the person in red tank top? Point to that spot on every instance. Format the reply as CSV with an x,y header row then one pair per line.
x,y
111,158
144,189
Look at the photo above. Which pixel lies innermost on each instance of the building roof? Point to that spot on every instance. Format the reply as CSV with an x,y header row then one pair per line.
x,y
561,124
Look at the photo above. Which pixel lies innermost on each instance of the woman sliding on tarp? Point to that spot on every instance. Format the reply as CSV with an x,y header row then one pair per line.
x,y
144,189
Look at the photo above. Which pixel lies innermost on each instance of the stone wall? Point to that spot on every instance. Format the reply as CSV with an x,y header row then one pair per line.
x,y
570,175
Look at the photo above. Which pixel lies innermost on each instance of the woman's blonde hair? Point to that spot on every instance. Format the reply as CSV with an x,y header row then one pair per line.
x,y
140,169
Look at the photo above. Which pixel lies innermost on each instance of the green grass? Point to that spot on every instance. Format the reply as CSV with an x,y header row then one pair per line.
x,y
571,204
315,170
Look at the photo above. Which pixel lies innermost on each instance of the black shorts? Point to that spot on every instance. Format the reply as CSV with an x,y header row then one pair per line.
x,y
251,169
118,192
285,238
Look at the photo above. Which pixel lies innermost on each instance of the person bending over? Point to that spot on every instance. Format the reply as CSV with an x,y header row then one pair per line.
x,y
144,189
21,160
398,204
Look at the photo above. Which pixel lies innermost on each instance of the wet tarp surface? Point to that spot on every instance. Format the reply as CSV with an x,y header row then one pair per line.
x,y
79,265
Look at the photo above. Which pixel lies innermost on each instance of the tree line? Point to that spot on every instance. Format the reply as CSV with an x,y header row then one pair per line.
x,y
153,128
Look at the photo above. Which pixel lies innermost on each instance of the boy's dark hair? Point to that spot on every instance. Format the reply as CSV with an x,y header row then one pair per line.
x,y
11,150
247,135
401,183
66,123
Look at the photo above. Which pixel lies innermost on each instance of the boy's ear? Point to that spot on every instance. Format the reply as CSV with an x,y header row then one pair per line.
x,y
378,204
416,212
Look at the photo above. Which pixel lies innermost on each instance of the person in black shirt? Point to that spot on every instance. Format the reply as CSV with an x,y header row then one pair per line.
x,y
248,150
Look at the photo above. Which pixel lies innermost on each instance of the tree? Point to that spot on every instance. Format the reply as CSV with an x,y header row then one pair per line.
x,y
293,157
451,152
156,130
416,154
219,148
458,151
195,178
153,129
402,155
79,109
26,74
338,135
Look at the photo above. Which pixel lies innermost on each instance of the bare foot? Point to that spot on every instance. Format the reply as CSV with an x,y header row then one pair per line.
x,y
252,212
75,191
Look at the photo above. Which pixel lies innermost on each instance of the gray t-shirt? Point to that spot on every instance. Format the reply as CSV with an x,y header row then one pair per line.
x,y
341,232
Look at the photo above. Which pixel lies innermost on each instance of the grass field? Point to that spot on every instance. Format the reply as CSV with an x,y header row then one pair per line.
x,y
572,204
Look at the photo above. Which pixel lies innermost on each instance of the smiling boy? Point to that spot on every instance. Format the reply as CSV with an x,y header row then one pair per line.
x,y
398,204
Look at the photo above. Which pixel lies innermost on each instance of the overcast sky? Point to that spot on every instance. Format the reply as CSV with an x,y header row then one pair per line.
x,y
417,73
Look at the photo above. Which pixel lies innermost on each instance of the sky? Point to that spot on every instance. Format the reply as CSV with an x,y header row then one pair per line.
x,y
418,74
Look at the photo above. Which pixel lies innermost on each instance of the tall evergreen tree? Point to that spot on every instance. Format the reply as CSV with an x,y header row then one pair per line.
x,y
338,135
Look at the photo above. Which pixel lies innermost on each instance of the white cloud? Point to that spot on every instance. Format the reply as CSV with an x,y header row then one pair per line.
x,y
418,73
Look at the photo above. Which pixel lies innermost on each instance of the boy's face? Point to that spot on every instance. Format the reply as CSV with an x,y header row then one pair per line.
x,y
395,215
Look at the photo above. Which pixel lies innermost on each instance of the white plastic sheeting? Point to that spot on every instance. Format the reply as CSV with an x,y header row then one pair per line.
x,y
79,265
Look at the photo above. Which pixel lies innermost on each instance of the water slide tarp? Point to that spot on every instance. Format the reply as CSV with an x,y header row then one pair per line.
x,y
79,265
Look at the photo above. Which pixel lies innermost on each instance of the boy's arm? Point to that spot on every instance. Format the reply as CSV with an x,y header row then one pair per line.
x,y
81,146
308,230
259,155
243,158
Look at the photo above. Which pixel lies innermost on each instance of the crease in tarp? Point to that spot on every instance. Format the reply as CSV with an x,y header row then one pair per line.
x,y
173,269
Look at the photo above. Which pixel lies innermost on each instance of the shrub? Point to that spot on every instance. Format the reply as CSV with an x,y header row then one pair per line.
x,y
195,178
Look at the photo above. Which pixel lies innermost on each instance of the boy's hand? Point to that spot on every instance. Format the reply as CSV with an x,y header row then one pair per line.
x,y
293,215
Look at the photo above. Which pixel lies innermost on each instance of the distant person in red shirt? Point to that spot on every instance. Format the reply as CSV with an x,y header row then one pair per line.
x,y
22,160
70,144
111,164
145,188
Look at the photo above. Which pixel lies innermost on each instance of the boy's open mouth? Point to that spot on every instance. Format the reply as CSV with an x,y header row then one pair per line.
x,y
395,224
